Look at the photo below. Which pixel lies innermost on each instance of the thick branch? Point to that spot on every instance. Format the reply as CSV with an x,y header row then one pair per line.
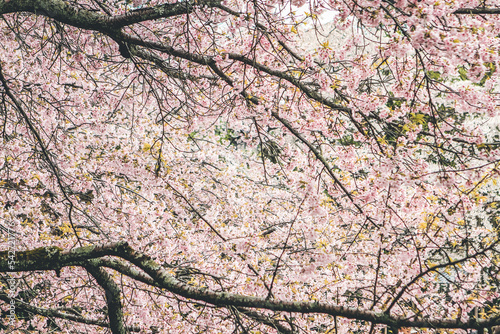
x,y
115,309
479,11
79,256
62,11
54,258
65,12
160,11
128,270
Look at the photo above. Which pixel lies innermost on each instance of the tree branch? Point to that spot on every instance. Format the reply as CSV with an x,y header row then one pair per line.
x,y
65,12
50,258
115,309
325,163
436,268
158,12
478,11
61,314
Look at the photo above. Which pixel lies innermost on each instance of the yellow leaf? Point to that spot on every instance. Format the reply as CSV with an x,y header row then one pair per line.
x,y
382,140
418,118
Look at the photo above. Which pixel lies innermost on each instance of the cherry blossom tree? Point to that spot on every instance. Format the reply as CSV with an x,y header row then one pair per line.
x,y
249,166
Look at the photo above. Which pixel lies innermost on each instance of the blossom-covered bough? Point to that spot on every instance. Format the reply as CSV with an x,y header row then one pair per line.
x,y
249,166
